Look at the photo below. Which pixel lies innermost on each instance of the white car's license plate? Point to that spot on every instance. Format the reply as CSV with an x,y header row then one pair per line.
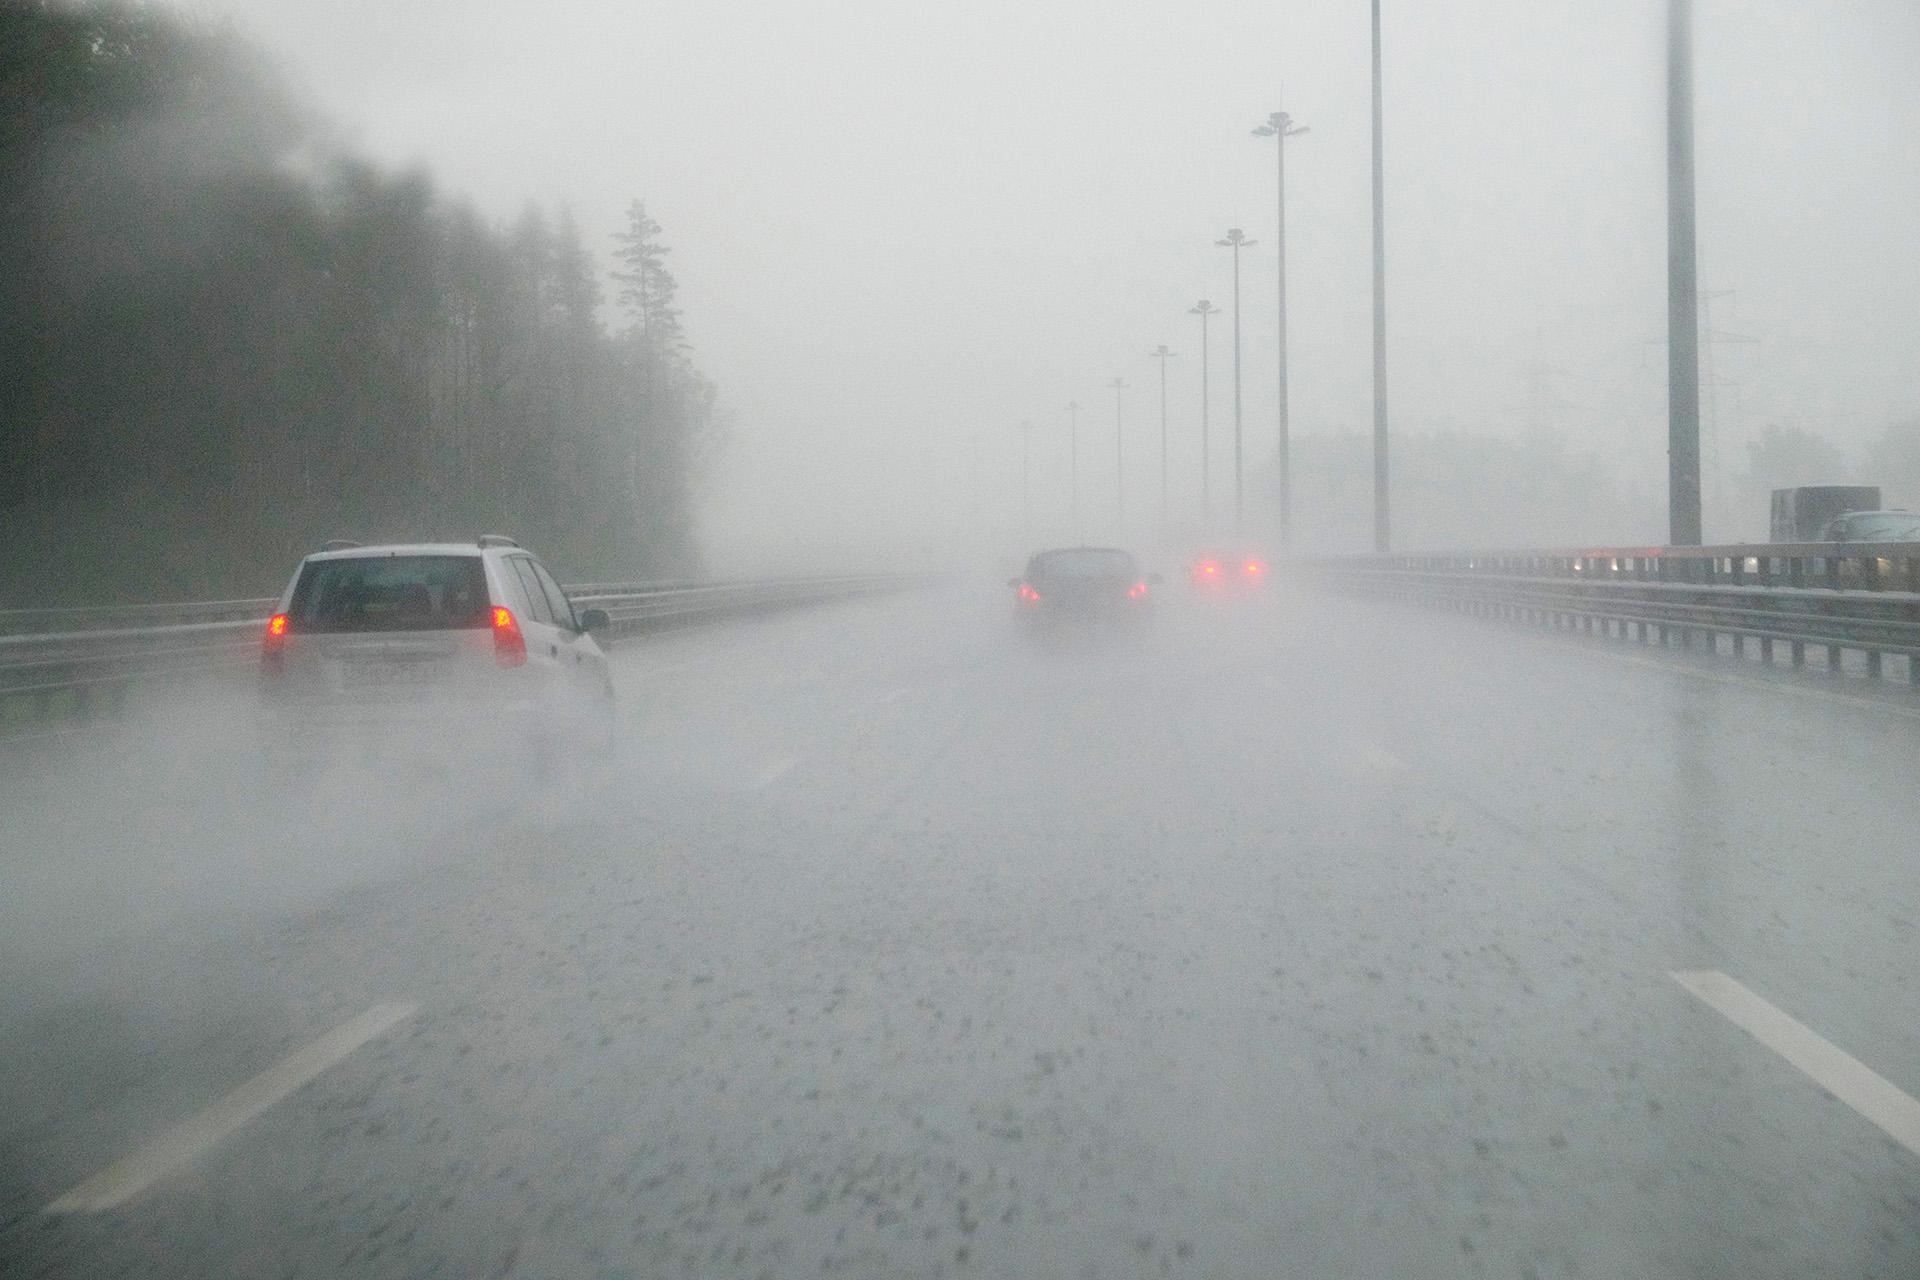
x,y
382,674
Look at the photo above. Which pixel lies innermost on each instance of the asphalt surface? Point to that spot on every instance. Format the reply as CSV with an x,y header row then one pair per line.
x,y
1294,938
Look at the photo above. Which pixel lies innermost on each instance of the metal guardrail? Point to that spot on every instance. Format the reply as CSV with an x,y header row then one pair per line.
x,y
84,661
1836,597
638,607
54,621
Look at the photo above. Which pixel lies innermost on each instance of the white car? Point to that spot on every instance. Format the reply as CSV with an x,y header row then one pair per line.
x,y
461,643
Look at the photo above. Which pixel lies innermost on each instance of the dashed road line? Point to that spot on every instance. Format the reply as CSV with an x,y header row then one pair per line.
x,y
774,773
185,1142
1828,1065
1378,757
40,735
895,694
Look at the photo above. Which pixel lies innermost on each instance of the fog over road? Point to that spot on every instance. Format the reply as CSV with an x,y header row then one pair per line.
x,y
1303,937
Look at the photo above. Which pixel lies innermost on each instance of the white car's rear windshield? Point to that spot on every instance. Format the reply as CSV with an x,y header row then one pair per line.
x,y
390,593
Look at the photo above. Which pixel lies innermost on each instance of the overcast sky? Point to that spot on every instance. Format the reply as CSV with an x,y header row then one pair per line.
x,y
900,229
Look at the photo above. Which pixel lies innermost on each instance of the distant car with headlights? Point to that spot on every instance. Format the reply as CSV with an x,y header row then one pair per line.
x,y
1083,583
1227,573
434,642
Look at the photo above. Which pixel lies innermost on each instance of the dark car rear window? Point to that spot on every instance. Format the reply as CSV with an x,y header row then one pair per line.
x,y
390,593
1082,562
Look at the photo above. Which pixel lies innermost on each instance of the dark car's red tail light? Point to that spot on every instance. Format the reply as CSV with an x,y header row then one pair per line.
x,y
1028,594
1137,591
1255,568
509,646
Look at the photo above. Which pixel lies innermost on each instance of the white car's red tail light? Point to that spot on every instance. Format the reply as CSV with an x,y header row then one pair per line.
x,y
509,645
273,645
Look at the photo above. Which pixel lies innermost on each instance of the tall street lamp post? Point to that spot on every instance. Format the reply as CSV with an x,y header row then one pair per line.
x,y
1280,127
1163,353
1382,518
1206,311
1073,463
1236,240
1026,474
1683,289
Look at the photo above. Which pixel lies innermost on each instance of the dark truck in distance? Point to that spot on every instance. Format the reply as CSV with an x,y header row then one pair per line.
x,y
1803,514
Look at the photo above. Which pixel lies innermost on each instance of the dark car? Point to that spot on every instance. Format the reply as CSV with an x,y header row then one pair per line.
x,y
1087,582
1227,573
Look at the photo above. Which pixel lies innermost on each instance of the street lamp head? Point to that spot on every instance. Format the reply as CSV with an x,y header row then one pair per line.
x,y
1265,131
1162,351
1202,308
1236,239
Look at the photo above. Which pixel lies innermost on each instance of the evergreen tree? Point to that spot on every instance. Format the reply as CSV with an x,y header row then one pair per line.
x,y
213,359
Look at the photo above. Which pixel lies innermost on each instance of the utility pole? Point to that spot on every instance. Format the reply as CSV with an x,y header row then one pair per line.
x,y
1206,311
1119,456
1163,353
1280,127
1073,463
1236,240
1382,517
1683,289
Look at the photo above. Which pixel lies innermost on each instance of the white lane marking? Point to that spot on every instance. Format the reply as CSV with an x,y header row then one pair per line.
x,y
775,772
672,668
1831,1067
637,654
1380,758
185,1142
895,694
38,735
662,669
1759,682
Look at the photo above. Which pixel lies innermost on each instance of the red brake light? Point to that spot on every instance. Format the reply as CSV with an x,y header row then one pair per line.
x,y
1209,568
1136,591
1028,594
509,646
275,640
1254,566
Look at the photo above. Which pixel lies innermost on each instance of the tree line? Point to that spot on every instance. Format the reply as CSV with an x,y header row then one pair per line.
x,y
223,340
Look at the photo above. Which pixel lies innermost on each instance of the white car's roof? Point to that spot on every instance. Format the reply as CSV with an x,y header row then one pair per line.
x,y
409,549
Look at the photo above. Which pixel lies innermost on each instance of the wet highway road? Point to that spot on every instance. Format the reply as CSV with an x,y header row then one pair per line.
x,y
1305,938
